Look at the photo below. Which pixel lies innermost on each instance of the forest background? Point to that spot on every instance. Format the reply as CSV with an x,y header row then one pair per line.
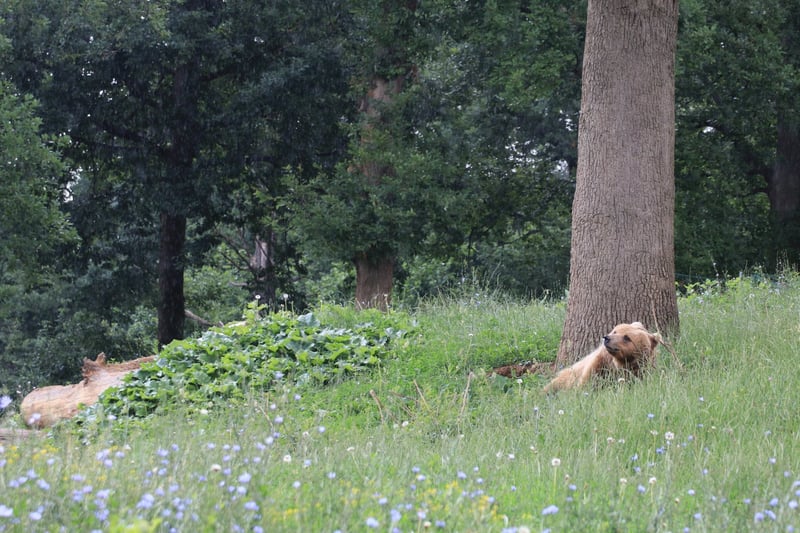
x,y
238,140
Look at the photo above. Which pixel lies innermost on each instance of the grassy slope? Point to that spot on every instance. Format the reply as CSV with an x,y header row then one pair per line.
x,y
431,440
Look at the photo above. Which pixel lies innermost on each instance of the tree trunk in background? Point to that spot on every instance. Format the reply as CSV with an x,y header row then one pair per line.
x,y
622,253
374,276
375,268
262,267
170,278
784,186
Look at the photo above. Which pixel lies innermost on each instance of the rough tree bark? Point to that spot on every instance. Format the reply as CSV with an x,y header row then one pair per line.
x,y
622,256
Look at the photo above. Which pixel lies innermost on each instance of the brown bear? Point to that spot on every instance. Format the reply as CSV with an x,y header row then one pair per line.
x,y
629,347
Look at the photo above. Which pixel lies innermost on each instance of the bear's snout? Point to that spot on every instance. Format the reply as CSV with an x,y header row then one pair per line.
x,y
610,345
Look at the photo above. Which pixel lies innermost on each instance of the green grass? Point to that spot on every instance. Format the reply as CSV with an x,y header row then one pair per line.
x,y
431,441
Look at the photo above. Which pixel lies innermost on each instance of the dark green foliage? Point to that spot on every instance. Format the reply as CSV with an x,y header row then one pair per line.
x,y
225,364
732,82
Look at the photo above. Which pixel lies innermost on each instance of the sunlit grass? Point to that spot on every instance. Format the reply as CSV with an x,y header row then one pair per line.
x,y
432,441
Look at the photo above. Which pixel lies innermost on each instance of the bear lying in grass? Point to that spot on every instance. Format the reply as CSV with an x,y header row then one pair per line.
x,y
629,347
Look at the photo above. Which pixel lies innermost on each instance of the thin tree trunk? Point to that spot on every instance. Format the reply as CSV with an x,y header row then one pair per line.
x,y
171,313
622,257
262,267
784,186
374,275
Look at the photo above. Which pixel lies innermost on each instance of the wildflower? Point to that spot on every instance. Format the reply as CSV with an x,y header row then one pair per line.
x,y
5,401
623,481
215,467
5,512
461,475
698,516
550,509
251,506
287,458
331,475
296,485
690,492
772,460
146,502
773,502
792,504
372,523
244,478
669,435
555,461
651,416
640,489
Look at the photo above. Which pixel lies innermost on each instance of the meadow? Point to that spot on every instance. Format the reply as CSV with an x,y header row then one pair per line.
x,y
430,440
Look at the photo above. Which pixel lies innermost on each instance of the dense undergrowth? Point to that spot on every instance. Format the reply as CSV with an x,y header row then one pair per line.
x,y
427,439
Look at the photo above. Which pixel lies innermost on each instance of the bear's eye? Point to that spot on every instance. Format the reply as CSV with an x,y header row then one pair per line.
x,y
626,338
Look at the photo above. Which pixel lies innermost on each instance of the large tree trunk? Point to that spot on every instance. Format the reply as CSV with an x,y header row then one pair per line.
x,y
622,257
170,278
784,186
374,275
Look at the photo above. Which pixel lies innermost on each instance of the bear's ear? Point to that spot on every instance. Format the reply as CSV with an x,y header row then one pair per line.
x,y
654,340
638,325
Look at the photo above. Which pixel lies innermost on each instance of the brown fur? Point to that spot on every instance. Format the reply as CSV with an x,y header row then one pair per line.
x,y
629,347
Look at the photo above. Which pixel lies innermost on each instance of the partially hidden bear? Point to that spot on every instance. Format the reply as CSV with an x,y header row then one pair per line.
x,y
628,348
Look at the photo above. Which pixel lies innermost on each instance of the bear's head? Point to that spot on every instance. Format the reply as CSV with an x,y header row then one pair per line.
x,y
630,344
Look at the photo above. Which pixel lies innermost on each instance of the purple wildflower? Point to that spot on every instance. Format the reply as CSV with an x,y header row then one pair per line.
x,y
550,509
